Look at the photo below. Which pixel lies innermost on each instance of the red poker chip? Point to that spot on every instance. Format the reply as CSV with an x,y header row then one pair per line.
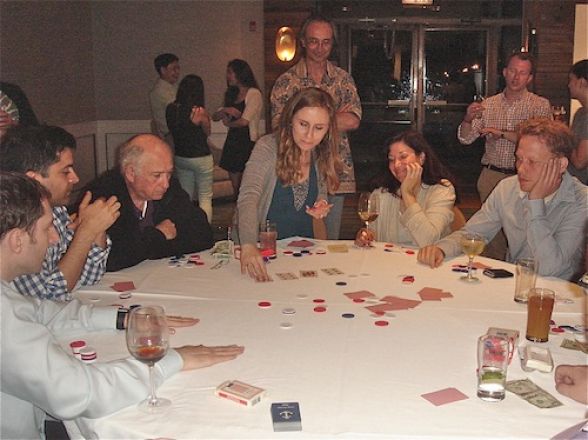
x,y
320,309
318,300
409,252
358,300
381,323
288,252
264,304
557,330
408,279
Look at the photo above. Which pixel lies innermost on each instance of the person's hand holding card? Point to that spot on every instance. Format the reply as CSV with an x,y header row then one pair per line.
x,y
319,210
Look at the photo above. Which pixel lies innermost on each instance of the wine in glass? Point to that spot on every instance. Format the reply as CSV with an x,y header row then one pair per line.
x,y
368,210
148,342
472,244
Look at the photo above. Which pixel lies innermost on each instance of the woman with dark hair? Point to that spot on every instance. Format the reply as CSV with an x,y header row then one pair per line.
x,y
289,175
189,124
578,85
241,114
415,198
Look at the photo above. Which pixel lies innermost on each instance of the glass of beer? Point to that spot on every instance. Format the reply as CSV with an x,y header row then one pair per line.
x,y
539,309
472,244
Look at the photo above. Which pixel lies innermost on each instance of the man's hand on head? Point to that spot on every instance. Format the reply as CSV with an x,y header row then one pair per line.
x,y
549,180
96,217
167,228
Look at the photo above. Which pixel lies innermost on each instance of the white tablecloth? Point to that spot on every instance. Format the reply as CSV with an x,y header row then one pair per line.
x,y
352,379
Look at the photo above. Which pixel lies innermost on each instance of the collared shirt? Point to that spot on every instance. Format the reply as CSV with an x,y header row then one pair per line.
x,y
504,115
340,85
50,283
162,94
549,230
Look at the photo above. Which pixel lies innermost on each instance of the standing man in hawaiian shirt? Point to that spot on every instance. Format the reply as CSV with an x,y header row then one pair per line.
x,y
314,70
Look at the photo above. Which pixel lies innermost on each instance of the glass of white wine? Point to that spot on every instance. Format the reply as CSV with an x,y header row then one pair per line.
x,y
368,209
148,342
472,244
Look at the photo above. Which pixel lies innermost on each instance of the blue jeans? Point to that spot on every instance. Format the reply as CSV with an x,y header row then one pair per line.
x,y
333,220
195,175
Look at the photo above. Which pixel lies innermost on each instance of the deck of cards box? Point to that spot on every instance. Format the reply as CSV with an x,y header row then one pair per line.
x,y
240,392
286,416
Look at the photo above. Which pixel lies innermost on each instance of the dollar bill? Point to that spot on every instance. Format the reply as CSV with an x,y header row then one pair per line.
x,y
575,345
533,394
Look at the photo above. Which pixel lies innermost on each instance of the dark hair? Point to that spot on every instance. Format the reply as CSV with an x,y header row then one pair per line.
x,y
434,172
191,91
245,77
164,60
33,148
20,202
523,56
556,136
580,69
316,18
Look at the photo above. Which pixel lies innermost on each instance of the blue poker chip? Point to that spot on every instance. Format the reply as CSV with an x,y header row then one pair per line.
x,y
348,315
297,254
341,283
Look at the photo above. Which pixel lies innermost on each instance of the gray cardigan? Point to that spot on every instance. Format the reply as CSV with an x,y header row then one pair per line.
x,y
257,190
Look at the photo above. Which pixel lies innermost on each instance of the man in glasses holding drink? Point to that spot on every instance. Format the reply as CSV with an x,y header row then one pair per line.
x,y
38,376
542,209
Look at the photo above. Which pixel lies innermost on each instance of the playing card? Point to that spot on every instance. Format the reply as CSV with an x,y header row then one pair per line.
x,y
123,286
287,276
400,303
442,397
308,273
360,294
338,248
332,271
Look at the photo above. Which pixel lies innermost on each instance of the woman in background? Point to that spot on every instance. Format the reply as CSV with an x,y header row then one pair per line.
x,y
241,114
416,200
189,125
287,179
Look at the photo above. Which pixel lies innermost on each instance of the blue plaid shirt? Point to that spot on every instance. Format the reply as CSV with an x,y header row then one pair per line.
x,y
50,282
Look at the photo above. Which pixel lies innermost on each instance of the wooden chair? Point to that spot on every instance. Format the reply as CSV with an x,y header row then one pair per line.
x,y
459,219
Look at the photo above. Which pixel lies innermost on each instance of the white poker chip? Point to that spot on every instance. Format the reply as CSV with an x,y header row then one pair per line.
x,y
93,299
390,315
302,295
288,311
352,275
286,325
125,295
365,274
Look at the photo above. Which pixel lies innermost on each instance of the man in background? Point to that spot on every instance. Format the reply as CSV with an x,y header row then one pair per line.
x,y
164,91
315,70
157,217
79,256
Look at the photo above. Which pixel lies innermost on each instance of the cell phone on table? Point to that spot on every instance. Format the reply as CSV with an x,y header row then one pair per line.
x,y
497,273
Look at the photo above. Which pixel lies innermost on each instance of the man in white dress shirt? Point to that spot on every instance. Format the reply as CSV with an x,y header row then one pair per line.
x,y
164,91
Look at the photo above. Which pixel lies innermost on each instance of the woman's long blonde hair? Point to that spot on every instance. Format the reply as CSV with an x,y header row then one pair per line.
x,y
326,152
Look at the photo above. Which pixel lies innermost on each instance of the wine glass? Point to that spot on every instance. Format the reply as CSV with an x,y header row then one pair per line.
x,y
472,244
148,342
368,210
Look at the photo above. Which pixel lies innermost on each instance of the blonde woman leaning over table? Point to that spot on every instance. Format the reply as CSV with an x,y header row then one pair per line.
x,y
416,197
288,176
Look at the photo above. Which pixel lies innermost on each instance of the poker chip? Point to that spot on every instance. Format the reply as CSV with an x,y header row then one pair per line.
x,y
94,299
390,315
305,251
273,257
320,309
358,300
297,254
388,250
364,274
321,252
302,295
76,346
125,295
264,304
348,315
288,311
388,245
174,263
381,323
286,325
341,283
88,355
409,252
288,252
352,275
409,279
318,300
557,330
